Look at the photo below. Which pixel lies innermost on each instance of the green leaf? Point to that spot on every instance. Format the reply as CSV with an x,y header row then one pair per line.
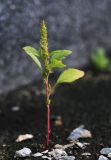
x,y
60,54
100,59
70,75
33,56
31,50
54,63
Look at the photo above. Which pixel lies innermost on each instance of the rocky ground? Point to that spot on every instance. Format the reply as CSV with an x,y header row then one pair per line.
x,y
87,102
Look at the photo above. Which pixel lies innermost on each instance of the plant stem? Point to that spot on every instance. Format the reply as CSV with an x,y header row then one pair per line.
x,y
48,114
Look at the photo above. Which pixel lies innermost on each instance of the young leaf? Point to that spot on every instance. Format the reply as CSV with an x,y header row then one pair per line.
x,y
31,50
70,75
100,60
33,56
60,54
54,63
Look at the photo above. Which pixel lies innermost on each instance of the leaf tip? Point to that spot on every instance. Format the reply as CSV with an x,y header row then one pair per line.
x,y
24,48
82,74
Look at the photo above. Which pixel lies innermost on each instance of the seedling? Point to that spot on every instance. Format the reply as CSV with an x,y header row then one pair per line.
x,y
46,61
100,60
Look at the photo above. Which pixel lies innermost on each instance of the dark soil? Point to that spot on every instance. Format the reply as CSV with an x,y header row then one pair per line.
x,y
87,102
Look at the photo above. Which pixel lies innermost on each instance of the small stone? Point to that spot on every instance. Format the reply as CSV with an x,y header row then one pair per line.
x,y
24,137
57,153
86,154
105,151
4,145
44,152
109,155
79,132
15,108
25,152
58,121
86,144
46,157
67,158
81,145
103,158
58,146
63,147
37,154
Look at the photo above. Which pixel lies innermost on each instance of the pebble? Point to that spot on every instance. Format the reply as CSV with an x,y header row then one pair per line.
x,y
105,151
79,132
86,154
67,158
58,146
46,157
103,158
25,152
87,144
58,121
4,145
81,145
109,155
15,108
24,137
63,147
57,153
44,152
38,154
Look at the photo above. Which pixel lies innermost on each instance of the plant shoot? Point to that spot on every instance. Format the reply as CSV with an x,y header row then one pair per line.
x,y
46,61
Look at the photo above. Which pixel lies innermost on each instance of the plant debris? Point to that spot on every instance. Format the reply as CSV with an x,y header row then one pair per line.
x,y
24,137
79,132
25,152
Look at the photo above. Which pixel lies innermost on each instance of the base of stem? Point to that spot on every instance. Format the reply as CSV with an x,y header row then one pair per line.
x,y
48,127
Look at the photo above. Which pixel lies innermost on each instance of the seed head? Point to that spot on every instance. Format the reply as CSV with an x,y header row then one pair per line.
x,y
43,39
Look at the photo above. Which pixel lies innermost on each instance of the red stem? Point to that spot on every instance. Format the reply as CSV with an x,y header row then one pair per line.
x,y
48,116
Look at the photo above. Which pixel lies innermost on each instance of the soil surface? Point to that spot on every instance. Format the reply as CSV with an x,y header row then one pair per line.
x,y
87,102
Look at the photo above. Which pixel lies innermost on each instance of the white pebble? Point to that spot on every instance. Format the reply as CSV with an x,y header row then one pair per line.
x,y
105,151
15,108
79,132
109,155
56,153
46,157
103,158
44,152
67,158
25,152
38,154
81,145
86,154
24,137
